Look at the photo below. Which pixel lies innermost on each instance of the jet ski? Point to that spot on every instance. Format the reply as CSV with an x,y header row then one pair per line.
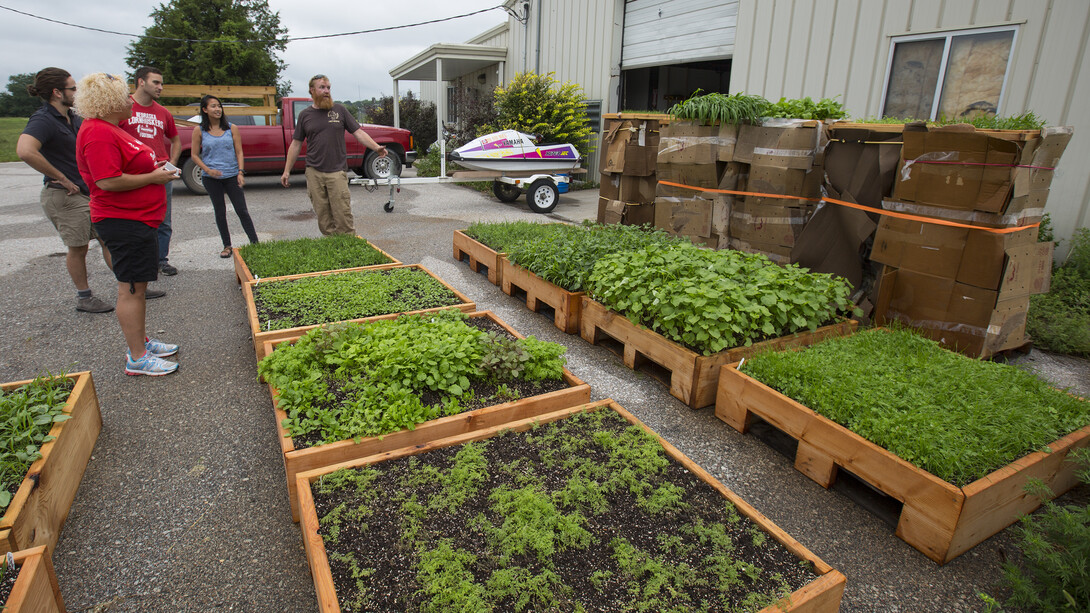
x,y
514,151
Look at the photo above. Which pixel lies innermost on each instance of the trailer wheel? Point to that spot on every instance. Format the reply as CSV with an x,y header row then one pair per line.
x,y
505,191
542,196
191,176
375,167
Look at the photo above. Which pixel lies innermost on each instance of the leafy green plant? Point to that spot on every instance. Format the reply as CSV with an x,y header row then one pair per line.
x,y
714,300
955,417
806,108
27,414
350,295
1059,321
539,104
352,380
713,107
502,235
302,255
565,255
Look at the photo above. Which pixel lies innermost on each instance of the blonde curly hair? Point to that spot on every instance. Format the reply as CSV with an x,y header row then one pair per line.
x,y
100,94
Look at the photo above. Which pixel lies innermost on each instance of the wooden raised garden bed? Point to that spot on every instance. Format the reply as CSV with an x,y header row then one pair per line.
x,y
821,586
36,589
310,458
260,337
243,274
938,518
479,256
40,506
692,377
566,305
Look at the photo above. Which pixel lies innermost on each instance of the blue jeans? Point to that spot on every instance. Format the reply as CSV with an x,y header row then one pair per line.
x,y
164,228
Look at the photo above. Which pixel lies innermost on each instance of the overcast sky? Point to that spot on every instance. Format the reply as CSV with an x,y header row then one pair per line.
x,y
358,66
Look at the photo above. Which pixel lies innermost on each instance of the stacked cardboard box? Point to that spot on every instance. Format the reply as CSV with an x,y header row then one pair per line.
x,y
700,156
784,158
967,288
628,161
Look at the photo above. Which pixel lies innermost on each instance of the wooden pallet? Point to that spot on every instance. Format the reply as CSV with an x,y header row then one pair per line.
x,y
819,596
35,589
243,274
691,377
40,506
939,519
479,256
260,337
566,305
310,458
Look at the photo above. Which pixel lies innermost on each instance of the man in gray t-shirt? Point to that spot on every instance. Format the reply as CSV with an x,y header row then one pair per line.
x,y
322,125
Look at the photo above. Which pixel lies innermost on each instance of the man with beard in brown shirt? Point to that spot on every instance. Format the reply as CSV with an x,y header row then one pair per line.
x,y
322,125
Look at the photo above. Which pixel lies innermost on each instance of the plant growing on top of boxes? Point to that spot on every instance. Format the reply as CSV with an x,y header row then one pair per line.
x,y
303,255
806,108
322,299
715,107
27,414
353,380
714,300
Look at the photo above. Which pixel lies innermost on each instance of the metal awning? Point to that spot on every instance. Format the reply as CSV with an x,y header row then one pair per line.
x,y
445,62
440,63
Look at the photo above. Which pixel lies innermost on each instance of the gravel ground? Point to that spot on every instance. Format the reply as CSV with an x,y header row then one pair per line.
x,y
183,506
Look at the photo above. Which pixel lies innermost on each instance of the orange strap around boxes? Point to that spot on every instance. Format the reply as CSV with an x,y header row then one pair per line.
x,y
861,207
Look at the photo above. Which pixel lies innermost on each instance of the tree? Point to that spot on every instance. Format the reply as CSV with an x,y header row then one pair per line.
x,y
539,104
16,102
416,115
251,38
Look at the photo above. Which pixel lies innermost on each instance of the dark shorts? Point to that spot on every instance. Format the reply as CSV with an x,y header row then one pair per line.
x,y
134,247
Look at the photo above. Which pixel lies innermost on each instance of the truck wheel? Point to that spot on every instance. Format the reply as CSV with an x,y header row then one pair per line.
x,y
191,176
505,191
542,196
375,167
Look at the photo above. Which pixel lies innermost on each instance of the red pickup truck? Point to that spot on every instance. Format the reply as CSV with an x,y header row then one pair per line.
x,y
265,147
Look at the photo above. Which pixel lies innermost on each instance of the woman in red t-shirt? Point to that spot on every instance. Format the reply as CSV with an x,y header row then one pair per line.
x,y
128,202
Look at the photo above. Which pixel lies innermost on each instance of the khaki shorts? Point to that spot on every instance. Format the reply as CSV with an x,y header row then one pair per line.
x,y
71,216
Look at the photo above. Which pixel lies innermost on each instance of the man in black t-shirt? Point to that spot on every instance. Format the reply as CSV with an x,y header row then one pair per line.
x,y
322,125
48,145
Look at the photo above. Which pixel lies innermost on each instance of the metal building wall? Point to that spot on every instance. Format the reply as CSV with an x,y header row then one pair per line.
x,y
822,48
579,42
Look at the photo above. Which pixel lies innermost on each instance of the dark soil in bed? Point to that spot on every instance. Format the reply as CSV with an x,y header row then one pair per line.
x,y
592,473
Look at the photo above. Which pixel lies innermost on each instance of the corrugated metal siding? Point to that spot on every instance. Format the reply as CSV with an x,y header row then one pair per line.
x,y
577,44
824,48
658,32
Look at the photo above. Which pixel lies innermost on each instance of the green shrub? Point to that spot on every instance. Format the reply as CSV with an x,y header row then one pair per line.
x,y
1059,321
539,104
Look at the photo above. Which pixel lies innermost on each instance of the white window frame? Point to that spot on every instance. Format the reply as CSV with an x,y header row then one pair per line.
x,y
948,36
